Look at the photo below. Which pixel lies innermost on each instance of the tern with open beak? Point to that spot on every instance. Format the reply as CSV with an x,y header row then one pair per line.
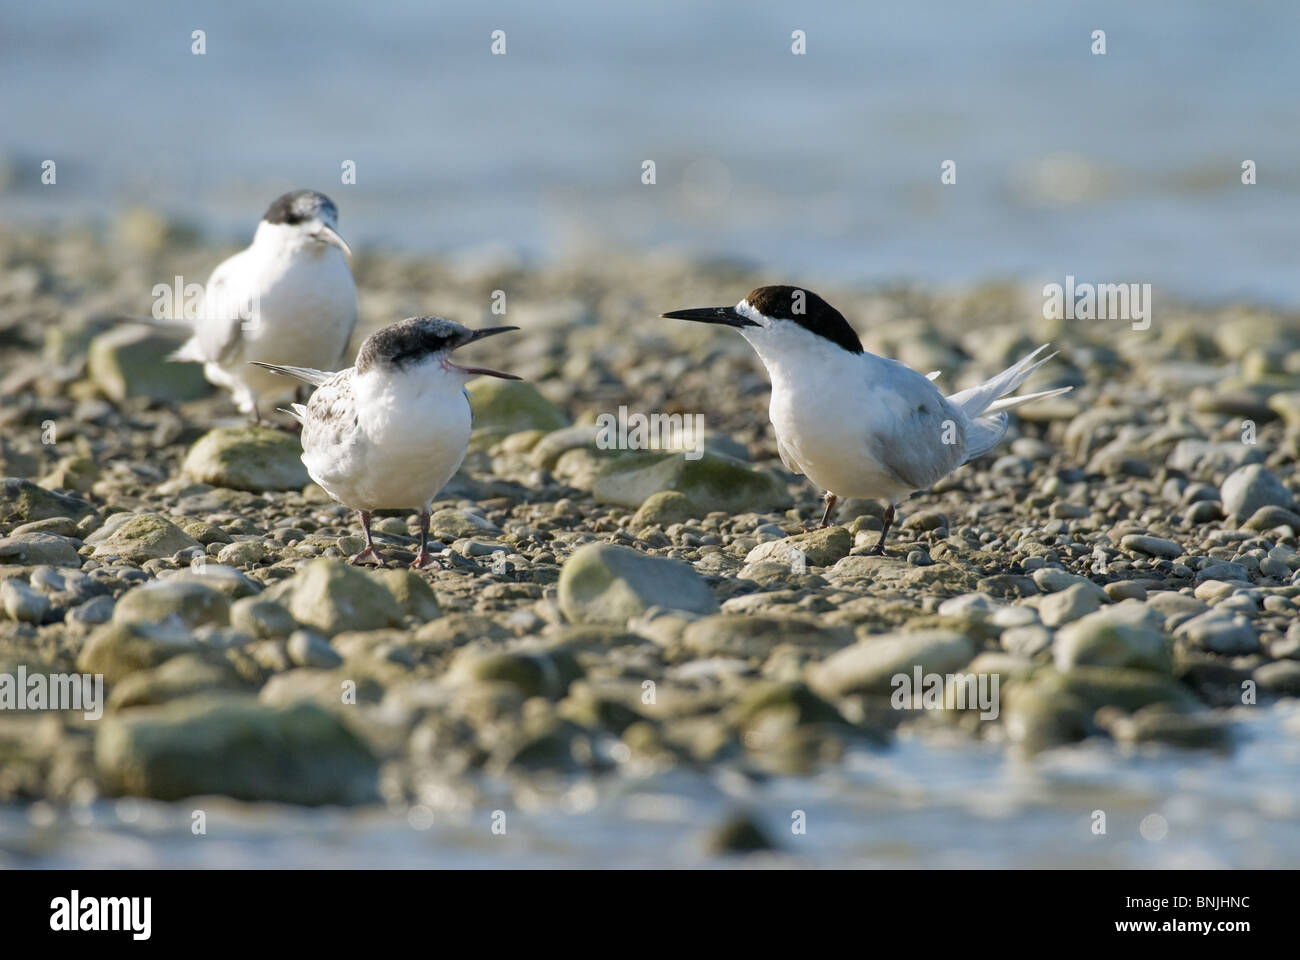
x,y
390,432
856,424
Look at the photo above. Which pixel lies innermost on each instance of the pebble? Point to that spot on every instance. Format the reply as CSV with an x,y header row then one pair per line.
x,y
22,603
308,649
39,548
1251,487
1026,641
870,665
1104,640
1222,571
1070,604
242,553
1219,633
331,597
604,583
1125,590
634,568
1152,546
1202,512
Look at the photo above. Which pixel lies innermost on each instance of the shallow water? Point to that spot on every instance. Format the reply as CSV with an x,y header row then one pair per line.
x,y
918,804
1117,168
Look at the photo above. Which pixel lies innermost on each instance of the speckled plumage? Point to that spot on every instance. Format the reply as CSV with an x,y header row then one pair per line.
x,y
391,431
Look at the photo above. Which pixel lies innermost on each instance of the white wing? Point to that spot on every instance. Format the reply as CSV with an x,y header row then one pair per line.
x,y
911,428
228,300
787,459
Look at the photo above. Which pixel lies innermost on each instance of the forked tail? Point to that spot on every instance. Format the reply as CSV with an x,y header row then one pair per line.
x,y
986,404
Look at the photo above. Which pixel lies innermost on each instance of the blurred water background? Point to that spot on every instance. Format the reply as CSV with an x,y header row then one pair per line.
x,y
1117,168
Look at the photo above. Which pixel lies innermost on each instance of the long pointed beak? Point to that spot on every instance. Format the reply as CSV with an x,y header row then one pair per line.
x,y
487,332
486,371
727,316
327,234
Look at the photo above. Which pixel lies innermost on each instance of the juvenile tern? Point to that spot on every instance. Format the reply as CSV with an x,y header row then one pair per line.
x,y
288,294
390,432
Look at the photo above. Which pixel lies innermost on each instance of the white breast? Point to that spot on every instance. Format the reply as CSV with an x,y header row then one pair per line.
x,y
301,307
408,438
306,314
845,420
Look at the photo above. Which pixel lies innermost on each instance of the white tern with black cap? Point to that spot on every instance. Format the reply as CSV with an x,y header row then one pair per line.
x,y
856,424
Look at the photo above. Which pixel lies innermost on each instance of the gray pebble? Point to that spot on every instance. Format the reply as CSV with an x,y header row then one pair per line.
x,y
308,649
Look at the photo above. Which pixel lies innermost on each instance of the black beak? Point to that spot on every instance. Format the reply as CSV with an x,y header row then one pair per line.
x,y
487,371
727,316
487,332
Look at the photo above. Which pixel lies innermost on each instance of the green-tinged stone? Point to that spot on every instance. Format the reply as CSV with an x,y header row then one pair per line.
x,y
119,649
144,536
820,548
664,509
183,605
331,596
22,501
132,361
247,458
412,593
77,474
712,482
503,407
605,583
235,747
871,665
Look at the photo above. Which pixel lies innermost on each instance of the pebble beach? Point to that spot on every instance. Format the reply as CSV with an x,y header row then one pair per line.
x,y
639,657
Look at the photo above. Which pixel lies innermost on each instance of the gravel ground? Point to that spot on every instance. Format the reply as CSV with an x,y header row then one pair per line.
x,y
1124,567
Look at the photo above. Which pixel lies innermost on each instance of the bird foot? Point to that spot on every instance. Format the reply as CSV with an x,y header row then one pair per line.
x,y
877,551
813,527
370,553
422,558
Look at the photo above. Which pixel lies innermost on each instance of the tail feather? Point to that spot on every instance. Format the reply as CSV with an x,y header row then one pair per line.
x,y
984,434
975,400
1010,403
986,404
306,374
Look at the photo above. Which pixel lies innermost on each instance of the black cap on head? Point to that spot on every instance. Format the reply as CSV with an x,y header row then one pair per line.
x,y
299,206
806,309
408,342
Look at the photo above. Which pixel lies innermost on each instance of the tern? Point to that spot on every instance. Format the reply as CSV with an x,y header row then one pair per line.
x,y
856,424
390,432
288,294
